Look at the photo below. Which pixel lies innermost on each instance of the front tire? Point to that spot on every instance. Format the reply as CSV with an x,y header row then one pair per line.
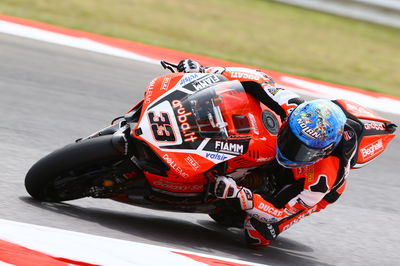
x,y
62,165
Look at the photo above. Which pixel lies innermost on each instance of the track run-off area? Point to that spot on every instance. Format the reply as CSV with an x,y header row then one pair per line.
x,y
58,85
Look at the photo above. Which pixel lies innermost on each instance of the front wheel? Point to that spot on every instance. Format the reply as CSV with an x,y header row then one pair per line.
x,y
75,171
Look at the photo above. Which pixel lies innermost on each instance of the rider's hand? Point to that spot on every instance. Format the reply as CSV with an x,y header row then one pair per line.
x,y
226,188
189,66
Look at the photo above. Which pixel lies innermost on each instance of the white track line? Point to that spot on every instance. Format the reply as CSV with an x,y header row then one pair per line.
x,y
384,104
96,249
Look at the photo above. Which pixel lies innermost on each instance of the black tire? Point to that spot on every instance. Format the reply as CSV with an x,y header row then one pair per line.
x,y
41,176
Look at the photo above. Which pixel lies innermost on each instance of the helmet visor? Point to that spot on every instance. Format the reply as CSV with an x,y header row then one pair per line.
x,y
295,150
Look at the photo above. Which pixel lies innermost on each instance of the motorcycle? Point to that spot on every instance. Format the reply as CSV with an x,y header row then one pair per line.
x,y
166,152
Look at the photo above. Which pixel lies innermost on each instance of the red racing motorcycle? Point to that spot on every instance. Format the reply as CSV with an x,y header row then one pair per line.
x,y
166,152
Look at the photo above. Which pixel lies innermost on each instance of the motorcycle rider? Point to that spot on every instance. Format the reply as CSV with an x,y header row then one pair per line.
x,y
315,147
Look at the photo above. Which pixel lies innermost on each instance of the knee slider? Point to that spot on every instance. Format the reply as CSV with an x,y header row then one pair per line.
x,y
269,231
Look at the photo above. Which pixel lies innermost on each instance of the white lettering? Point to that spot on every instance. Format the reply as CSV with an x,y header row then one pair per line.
x,y
192,162
174,166
182,118
372,149
187,79
307,130
269,209
253,123
297,219
149,91
374,125
165,84
244,75
177,186
229,147
205,82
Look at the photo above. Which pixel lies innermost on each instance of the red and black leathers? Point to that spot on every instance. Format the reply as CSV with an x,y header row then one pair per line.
x,y
298,191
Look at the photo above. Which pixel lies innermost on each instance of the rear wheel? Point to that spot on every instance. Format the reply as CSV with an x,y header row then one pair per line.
x,y
88,168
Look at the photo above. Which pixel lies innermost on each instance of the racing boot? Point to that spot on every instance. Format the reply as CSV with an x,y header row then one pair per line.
x,y
254,233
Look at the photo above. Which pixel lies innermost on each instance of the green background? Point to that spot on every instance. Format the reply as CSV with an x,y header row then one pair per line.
x,y
260,33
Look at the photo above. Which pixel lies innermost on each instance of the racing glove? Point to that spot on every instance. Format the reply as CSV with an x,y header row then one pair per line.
x,y
225,187
189,66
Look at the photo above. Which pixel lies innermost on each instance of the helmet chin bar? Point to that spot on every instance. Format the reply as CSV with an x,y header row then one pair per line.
x,y
291,164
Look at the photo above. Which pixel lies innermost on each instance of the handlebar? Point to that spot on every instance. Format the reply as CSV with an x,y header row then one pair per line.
x,y
167,65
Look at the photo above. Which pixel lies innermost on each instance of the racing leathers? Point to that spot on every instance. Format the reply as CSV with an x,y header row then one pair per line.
x,y
297,192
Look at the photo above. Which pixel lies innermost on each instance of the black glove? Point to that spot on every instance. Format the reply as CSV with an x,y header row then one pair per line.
x,y
189,66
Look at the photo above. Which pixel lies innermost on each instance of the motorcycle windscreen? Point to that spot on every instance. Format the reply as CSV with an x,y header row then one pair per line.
x,y
219,111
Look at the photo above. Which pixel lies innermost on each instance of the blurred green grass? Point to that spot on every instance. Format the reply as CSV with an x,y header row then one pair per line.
x,y
255,32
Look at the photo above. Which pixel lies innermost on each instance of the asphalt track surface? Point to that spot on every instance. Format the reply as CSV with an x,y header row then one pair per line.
x,y
51,95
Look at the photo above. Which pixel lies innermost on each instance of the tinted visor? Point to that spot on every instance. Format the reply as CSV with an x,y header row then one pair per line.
x,y
295,150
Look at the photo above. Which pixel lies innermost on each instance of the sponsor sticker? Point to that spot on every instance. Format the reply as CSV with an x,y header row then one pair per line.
x,y
375,126
188,78
216,156
177,186
182,115
274,90
311,133
372,149
253,123
205,82
358,110
310,173
348,135
149,92
229,147
301,216
264,159
165,84
244,75
270,210
192,162
175,166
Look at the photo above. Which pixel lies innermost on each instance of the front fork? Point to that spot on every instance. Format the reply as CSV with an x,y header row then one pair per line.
x,y
121,131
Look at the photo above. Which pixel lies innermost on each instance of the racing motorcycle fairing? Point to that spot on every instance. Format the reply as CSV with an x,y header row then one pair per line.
x,y
374,132
166,151
196,121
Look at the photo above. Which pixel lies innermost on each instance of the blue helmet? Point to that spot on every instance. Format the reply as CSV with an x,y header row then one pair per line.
x,y
311,132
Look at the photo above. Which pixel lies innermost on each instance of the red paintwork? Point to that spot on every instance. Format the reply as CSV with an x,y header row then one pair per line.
x,y
376,133
187,169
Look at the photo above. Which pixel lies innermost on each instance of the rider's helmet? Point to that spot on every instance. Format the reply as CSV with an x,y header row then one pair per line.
x,y
311,132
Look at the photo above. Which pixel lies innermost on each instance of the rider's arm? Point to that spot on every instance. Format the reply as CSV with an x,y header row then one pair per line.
x,y
318,179
280,100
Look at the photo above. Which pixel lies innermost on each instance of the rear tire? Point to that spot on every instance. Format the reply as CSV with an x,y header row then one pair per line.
x,y
39,181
